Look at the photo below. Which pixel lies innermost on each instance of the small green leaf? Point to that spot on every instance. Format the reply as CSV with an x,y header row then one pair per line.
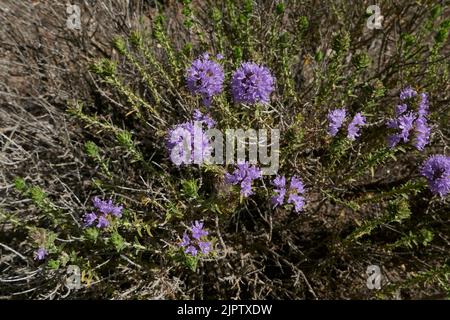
x,y
53,264
91,234
117,241
20,185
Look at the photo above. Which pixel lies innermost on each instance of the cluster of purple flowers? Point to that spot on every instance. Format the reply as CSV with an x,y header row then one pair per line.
x,y
336,119
105,210
437,171
354,126
194,135
294,192
198,241
407,120
205,77
244,175
250,83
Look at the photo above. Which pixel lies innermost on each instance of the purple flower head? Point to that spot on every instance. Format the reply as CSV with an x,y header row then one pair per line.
x,y
97,202
197,230
188,142
405,124
204,246
296,189
103,222
278,199
179,143
297,200
185,241
40,254
252,83
335,119
89,219
107,207
280,183
296,185
198,242
204,118
407,93
437,171
422,130
253,172
117,211
354,126
219,56
235,177
205,77
406,121
244,174
246,187
191,250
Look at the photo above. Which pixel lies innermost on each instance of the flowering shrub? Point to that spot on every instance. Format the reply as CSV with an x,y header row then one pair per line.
x,y
363,173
